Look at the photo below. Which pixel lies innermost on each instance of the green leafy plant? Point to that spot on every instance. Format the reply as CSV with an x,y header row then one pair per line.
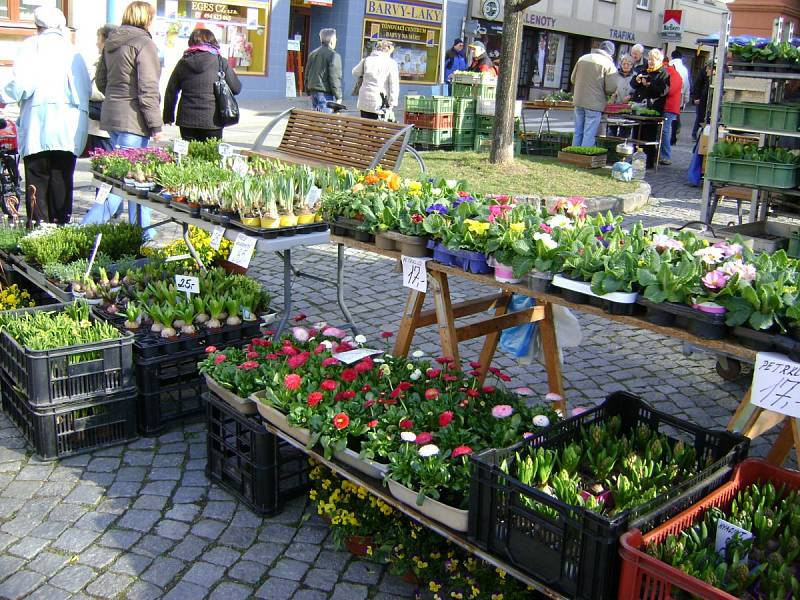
x,y
585,150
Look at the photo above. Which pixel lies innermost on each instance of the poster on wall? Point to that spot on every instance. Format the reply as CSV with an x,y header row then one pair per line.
x,y
549,59
241,28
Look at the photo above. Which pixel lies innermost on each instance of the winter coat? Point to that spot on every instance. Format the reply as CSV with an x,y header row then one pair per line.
x,y
194,78
483,64
50,82
324,72
128,74
594,78
454,61
675,94
686,92
381,76
654,94
700,88
623,88
97,96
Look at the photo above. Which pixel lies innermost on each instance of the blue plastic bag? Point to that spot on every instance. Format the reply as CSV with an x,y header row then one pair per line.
x,y
694,175
622,171
516,341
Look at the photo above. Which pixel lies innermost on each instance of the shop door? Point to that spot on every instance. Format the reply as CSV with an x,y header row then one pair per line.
x,y
299,27
527,62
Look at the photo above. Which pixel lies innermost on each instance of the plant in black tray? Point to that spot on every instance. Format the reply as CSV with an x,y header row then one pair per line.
x,y
186,315
133,316
233,308
216,308
668,276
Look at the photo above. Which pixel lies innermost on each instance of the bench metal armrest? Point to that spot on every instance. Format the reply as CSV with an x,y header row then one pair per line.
x,y
259,143
404,133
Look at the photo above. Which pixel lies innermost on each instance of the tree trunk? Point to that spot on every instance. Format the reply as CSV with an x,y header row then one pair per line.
x,y
503,132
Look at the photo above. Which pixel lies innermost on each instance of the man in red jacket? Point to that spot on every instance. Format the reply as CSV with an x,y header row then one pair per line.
x,y
672,109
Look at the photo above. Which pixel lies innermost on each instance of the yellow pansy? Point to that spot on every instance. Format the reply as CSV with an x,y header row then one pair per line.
x,y
415,186
517,227
477,227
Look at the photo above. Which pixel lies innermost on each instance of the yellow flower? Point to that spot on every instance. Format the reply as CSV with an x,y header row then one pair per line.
x,y
517,227
415,186
434,587
358,187
477,227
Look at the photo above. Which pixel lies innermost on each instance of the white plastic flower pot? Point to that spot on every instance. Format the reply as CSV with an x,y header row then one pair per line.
x,y
275,417
454,518
244,405
368,467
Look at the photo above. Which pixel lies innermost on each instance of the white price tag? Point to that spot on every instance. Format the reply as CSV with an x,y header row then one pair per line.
x,y
352,356
225,150
776,384
725,533
240,165
175,257
180,147
242,250
102,192
216,237
415,276
187,283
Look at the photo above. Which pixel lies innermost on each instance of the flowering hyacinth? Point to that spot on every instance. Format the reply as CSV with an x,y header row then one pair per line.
x,y
436,208
746,272
715,280
711,255
664,242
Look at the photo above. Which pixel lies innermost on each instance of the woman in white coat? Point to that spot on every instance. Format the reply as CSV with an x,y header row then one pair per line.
x,y
380,86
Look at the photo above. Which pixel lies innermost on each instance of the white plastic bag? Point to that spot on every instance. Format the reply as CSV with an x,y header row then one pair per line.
x,y
568,335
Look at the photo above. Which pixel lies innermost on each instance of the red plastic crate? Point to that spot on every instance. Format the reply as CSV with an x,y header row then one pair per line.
x,y
430,121
613,109
644,577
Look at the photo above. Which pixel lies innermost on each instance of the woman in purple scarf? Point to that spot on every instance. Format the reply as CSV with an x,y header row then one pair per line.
x,y
194,78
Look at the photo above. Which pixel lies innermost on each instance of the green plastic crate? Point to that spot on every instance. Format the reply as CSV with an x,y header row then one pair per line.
x,y
483,143
485,124
461,90
463,138
466,77
750,172
484,91
463,121
464,106
432,137
774,117
429,104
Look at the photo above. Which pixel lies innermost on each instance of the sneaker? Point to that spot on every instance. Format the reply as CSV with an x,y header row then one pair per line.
x,y
665,162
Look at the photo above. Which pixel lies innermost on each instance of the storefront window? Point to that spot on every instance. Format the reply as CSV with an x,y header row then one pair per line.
x,y
26,7
241,28
4,9
416,31
549,59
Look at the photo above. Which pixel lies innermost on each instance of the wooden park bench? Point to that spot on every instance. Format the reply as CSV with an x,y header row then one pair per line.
x,y
323,139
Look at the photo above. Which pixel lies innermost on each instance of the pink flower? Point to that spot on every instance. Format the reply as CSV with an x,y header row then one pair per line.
x,y
334,332
545,227
349,375
330,361
715,280
373,423
292,381
328,385
300,334
424,438
210,349
364,366
295,362
219,358
386,334
431,394
248,365
746,272
299,317
252,355
314,398
445,418
341,420
461,451
502,411
406,424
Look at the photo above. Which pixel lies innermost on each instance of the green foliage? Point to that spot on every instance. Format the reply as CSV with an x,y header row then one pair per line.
x,y
585,150
739,151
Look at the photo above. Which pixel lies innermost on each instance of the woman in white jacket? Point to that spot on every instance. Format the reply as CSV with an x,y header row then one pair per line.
x,y
380,85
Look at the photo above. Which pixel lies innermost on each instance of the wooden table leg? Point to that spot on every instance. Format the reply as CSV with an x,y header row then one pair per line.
x,y
783,444
444,314
491,340
409,322
552,360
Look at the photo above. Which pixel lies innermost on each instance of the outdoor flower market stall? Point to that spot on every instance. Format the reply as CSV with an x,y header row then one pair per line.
x,y
408,448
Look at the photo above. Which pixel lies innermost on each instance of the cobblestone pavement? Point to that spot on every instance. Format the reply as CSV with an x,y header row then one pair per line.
x,y
141,521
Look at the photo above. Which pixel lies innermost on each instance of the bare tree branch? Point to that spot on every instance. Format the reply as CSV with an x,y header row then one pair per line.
x,y
520,5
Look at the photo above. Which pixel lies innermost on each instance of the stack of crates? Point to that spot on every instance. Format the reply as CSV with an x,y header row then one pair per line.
x,y
464,124
484,124
474,85
432,117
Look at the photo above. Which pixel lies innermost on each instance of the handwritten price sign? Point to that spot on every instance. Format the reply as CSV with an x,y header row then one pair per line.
x,y
187,283
415,276
776,384
242,250
216,237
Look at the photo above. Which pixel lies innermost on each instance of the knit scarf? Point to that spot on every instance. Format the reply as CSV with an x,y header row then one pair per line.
x,y
200,48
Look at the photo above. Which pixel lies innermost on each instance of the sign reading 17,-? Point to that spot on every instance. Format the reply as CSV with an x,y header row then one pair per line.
x,y
415,275
776,384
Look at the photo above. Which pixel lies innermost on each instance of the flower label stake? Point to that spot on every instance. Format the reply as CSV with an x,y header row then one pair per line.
x,y
188,284
216,237
415,275
181,148
725,533
776,384
242,250
103,192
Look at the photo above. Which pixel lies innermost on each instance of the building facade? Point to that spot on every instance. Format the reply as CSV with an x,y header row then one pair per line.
x,y
757,17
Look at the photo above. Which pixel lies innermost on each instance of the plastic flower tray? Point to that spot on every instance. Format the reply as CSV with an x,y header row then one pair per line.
x,y
46,378
614,303
751,172
775,117
644,577
576,553
671,314
247,461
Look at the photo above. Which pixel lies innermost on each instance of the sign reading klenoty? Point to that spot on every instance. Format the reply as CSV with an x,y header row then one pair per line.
x,y
776,384
405,11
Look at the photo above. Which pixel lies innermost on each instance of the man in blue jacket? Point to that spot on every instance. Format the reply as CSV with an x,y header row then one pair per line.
x,y
454,60
51,84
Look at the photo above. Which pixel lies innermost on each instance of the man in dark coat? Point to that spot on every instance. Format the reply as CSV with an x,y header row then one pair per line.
x,y
323,75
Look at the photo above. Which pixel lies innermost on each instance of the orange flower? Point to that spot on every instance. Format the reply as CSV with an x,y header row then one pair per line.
x,y
371,179
394,182
384,174
341,420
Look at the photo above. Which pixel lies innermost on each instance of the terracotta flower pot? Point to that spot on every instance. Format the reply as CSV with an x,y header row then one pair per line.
x,y
358,545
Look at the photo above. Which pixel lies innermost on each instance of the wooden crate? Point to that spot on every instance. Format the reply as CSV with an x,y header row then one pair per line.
x,y
583,161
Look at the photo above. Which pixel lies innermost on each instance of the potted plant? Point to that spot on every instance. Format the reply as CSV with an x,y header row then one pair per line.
x,y
304,181
585,157
284,188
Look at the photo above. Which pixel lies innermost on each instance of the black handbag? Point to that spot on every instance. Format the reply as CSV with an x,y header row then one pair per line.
x,y
95,108
227,112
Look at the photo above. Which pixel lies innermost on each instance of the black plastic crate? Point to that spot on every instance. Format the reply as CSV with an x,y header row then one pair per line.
x,y
247,461
47,379
72,428
576,554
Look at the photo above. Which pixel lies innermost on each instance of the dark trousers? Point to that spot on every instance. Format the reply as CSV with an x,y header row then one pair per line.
x,y
50,173
699,120
676,129
200,135
369,115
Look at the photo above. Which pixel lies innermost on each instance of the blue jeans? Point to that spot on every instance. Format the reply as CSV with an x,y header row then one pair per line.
x,y
587,122
666,145
112,207
319,102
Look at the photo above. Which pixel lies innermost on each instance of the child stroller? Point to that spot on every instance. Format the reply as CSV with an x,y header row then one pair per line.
x,y
10,190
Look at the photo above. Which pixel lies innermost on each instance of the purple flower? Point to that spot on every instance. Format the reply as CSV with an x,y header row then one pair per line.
x,y
602,240
607,228
715,280
436,208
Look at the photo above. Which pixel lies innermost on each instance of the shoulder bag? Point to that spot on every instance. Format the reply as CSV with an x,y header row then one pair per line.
x,y
227,110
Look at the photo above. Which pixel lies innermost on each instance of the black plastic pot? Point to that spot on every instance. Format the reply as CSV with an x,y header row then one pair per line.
x,y
540,282
171,345
619,308
704,325
214,336
659,316
760,341
364,236
574,297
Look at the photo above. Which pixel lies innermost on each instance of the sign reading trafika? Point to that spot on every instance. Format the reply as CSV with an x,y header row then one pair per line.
x,y
672,26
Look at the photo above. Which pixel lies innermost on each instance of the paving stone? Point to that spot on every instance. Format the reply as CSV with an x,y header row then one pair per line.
x,y
196,464
219,510
114,506
301,551
159,488
95,521
204,574
140,520
46,563
143,443
153,545
64,473
185,591
109,585
8,506
312,535
48,592
40,507
29,547
167,460
85,494
172,436
195,478
218,494
142,590
163,571
81,460
321,579
231,591
67,512
179,447
190,548
117,538
22,489
198,450
222,556
165,474
20,526
249,572
173,530
334,560
103,465
146,502
131,474
183,512
277,532
238,537
124,489
277,589
55,489
263,553
99,557
310,595
349,591
392,584
246,518
138,459
20,584
8,565
208,529
186,494
75,540
34,472
364,572
72,577
131,564
6,539
286,568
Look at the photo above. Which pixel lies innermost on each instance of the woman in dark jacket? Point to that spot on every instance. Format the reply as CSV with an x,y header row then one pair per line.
x,y
194,78
652,86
